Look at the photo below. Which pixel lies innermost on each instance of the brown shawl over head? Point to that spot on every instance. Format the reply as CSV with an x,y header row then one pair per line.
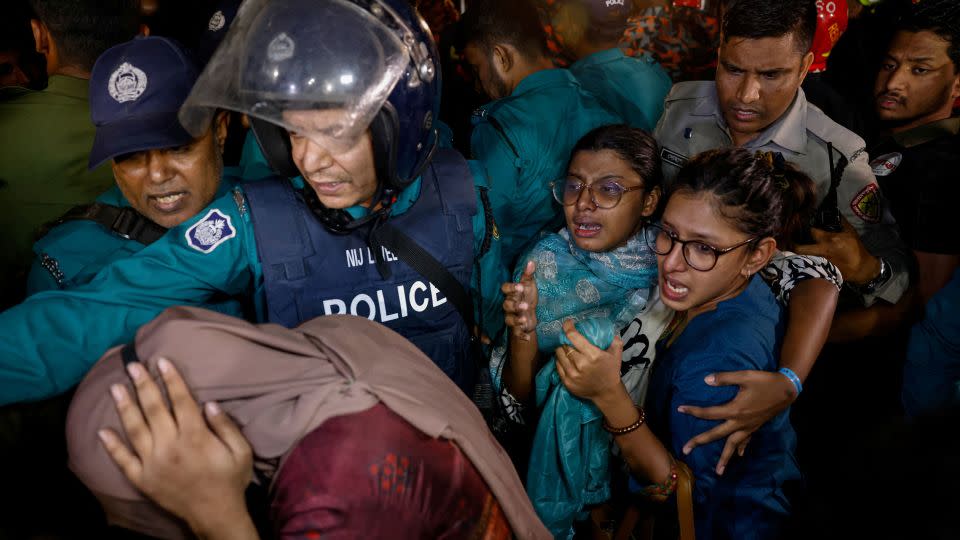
x,y
278,385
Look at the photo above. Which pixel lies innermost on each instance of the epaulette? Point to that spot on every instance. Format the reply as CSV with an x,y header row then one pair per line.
x,y
691,90
826,129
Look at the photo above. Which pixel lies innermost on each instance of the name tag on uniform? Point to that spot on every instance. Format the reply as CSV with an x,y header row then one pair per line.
x,y
673,158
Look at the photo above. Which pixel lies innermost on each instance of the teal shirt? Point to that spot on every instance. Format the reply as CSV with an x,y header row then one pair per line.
x,y
632,87
77,250
53,338
539,123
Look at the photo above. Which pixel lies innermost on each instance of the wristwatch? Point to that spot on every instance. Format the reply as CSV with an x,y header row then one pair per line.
x,y
871,286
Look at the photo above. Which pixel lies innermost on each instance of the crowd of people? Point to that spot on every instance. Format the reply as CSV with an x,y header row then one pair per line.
x,y
649,268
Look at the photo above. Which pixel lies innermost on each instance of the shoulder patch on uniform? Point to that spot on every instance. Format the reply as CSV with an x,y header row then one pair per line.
x,y
866,204
885,165
673,158
214,229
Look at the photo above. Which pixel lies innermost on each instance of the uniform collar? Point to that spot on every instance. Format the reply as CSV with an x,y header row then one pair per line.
x,y
601,57
405,200
927,132
789,131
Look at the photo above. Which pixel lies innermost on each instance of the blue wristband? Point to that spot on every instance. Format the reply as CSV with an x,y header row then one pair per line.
x,y
788,373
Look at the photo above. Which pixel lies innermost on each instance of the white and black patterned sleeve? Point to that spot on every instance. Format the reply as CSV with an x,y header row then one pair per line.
x,y
786,270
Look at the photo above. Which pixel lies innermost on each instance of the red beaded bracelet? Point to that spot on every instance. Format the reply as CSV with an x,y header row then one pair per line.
x,y
632,427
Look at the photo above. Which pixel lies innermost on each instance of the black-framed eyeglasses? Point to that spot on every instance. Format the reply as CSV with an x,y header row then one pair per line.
x,y
604,194
699,256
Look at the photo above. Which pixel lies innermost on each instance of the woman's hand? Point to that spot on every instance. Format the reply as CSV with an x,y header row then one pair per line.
x,y
762,395
198,470
520,306
587,371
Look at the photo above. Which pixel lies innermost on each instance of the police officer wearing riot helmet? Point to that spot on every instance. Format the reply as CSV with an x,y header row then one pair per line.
x,y
349,111
756,102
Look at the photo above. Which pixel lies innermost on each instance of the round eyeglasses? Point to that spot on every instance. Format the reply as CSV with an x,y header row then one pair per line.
x,y
699,256
604,194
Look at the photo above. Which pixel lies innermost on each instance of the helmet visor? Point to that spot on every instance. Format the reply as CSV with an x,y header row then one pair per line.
x,y
321,69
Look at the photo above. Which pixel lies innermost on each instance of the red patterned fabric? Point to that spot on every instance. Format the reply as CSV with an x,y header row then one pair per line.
x,y
373,475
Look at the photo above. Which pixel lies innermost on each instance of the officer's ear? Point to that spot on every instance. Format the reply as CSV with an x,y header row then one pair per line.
x,y
221,126
503,59
41,36
805,66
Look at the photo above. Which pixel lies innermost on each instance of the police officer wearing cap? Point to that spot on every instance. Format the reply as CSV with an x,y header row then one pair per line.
x,y
164,175
756,103
343,97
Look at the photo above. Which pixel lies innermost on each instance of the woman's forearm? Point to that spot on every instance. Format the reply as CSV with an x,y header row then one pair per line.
x,y
643,452
522,363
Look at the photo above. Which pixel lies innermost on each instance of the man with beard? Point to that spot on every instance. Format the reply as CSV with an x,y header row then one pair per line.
x,y
916,162
917,159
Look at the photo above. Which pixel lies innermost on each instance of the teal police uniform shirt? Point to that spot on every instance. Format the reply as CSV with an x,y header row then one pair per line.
x,y
72,253
52,339
523,142
632,87
692,123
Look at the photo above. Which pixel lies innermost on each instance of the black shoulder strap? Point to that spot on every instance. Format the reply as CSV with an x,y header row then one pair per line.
x,y
125,222
422,262
827,216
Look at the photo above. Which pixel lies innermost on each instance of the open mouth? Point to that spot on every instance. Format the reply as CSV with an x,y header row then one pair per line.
x,y
673,290
586,229
170,202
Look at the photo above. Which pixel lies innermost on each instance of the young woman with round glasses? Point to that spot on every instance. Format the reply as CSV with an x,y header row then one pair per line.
x,y
719,229
607,201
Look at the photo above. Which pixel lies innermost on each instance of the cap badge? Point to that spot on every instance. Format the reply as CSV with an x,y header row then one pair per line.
x,y
216,22
280,48
127,83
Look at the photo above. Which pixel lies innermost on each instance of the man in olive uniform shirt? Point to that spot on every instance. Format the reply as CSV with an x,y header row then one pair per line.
x,y
47,134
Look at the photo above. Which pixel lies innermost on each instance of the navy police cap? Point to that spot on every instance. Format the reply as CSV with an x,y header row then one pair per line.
x,y
136,89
